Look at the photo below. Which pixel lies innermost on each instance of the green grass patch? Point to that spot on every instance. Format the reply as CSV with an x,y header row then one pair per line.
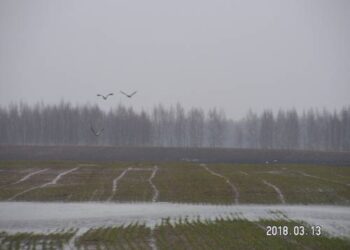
x,y
54,240
133,236
179,182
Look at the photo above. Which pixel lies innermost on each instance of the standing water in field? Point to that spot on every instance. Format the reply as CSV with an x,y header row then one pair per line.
x,y
40,216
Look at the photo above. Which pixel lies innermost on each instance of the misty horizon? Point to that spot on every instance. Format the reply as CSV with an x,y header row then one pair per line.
x,y
232,55
174,126
106,107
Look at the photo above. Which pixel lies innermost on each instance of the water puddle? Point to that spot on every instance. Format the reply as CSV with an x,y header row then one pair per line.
x,y
41,216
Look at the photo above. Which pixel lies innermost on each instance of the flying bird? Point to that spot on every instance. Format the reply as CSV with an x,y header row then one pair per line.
x,y
96,133
127,95
105,96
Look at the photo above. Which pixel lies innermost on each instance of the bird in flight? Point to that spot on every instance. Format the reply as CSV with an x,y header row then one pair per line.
x,y
105,96
96,133
127,95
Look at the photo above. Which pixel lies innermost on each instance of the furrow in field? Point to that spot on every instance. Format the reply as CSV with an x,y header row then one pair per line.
x,y
276,172
87,165
155,190
233,187
93,195
115,183
58,177
152,241
244,173
320,178
141,169
53,182
78,233
278,191
30,175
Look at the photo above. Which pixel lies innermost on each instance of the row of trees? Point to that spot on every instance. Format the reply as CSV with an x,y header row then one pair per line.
x,y
312,130
174,126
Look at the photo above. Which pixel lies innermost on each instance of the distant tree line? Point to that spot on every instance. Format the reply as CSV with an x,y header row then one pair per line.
x,y
174,127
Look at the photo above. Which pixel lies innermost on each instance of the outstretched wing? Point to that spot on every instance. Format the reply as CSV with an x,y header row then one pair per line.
x,y
93,130
99,95
123,93
96,133
133,93
100,132
105,97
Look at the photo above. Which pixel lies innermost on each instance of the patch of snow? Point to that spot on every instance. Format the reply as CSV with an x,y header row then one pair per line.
x,y
244,173
278,191
115,183
155,190
233,187
30,175
140,169
152,241
53,182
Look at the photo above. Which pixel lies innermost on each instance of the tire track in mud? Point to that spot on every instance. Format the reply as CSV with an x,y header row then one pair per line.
x,y
93,195
141,169
244,173
320,178
53,182
276,172
30,175
233,187
155,189
152,242
150,181
115,182
327,180
87,165
341,176
278,191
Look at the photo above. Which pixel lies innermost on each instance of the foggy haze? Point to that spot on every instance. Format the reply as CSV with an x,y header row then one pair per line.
x,y
233,55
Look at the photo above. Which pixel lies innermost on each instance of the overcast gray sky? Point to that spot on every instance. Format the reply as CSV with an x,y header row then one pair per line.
x,y
233,54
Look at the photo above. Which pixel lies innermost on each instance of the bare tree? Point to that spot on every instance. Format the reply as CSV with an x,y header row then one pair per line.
x,y
65,124
196,127
215,128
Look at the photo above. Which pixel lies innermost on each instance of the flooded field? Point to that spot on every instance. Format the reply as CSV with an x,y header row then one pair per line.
x,y
72,205
108,225
39,216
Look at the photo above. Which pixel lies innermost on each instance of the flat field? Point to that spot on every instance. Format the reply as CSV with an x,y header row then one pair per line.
x,y
187,183
177,182
221,233
165,154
